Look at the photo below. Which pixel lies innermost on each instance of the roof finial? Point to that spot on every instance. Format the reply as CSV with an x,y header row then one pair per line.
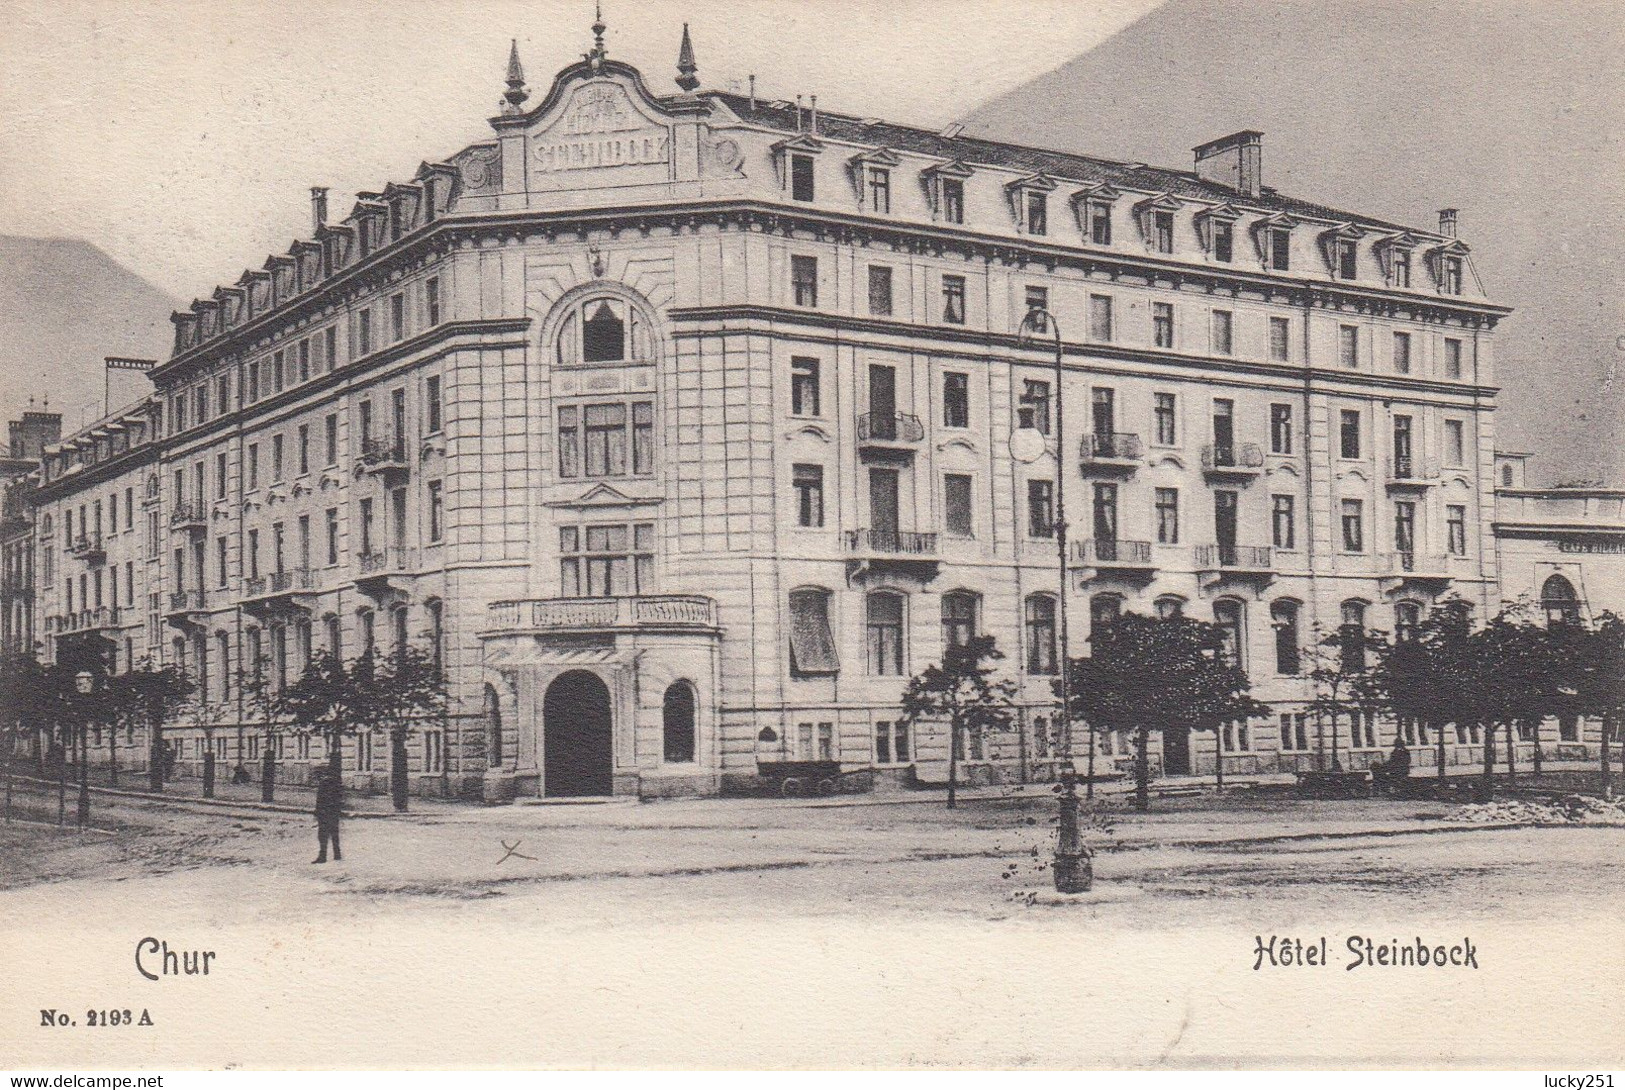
x,y
686,79
596,57
515,95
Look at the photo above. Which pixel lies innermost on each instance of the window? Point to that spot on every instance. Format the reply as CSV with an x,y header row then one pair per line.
x,y
569,441
1450,278
956,505
1280,429
304,542
1224,236
1228,615
884,620
599,561
1353,526
1506,476
953,300
953,200
879,189
253,557
253,466
891,742
1348,347
1568,728
880,290
1280,339
604,325
1100,317
1455,524
1455,442
1294,732
801,177
431,300
276,457
1162,232
1283,522
1164,417
1036,298
1040,508
1104,610
808,483
1347,259
366,526
332,440
397,317
955,400
332,536
1037,213
224,400
677,723
593,439
1100,223
1167,508
1407,617
804,280
330,337
1162,324
437,511
432,406
304,449
363,333
812,645
1033,411
1169,607
958,618
1402,353
804,386
1233,736
1452,358
1348,433
1280,250
129,496
1399,269
1223,333
1040,616
1351,635
1288,656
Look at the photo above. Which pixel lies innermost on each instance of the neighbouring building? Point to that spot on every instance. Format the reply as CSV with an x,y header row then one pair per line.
x,y
19,475
679,425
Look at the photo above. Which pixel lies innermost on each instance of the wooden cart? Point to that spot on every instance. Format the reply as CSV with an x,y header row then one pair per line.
x,y
797,779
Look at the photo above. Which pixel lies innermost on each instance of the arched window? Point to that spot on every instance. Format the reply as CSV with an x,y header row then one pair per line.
x,y
1227,614
493,728
958,618
1561,603
603,331
397,629
884,617
335,643
812,644
1169,607
1104,609
437,635
677,719
1351,635
1407,617
1040,634
1284,619
369,635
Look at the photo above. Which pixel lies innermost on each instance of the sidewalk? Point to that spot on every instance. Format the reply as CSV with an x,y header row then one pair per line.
x,y
290,798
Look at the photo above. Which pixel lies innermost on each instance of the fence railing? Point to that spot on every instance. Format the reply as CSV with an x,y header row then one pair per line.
x,y
891,542
1224,555
1232,456
1116,445
651,610
1112,551
891,427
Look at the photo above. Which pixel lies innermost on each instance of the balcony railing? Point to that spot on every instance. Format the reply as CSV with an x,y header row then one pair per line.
x,y
185,600
87,620
654,611
291,580
384,452
890,428
1411,469
395,558
87,546
1111,446
891,543
254,586
1232,457
188,516
1227,557
1108,552
1410,562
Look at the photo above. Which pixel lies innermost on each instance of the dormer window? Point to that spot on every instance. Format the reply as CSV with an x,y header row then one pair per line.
x,y
1100,223
1450,278
1037,213
1346,259
801,177
1399,272
1280,249
1093,207
953,200
1224,242
945,190
1029,200
1216,228
1162,226
1273,238
878,188
1340,249
602,330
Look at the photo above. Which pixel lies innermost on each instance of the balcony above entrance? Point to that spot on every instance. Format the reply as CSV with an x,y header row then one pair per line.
x,y
644,613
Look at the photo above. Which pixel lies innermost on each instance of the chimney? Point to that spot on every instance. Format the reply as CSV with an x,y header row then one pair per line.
x,y
753,90
35,431
1235,162
318,207
814,127
1447,222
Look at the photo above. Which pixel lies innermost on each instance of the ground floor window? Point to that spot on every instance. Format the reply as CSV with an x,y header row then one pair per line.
x,y
363,752
301,746
1294,732
1362,730
434,751
1527,731
1414,732
1467,734
1233,737
1568,728
891,742
816,741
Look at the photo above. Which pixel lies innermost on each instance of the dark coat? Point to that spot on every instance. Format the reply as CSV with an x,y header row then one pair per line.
x,y
329,798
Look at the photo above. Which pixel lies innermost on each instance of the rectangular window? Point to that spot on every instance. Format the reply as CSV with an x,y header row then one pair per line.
x,y
607,561
643,437
397,317
1224,242
432,405
431,300
224,402
1452,358
604,428
891,742
804,386
1348,347
304,359
953,300
276,457
1033,412
1162,324
808,484
801,177
1280,339
1037,213
1223,333
955,400
804,280
884,621
1455,521
569,441
956,505
279,363
253,466
1100,223
1348,433
1167,504
365,410
1280,250
437,511
251,372
812,644
1040,508
1347,260
1402,353
1353,526
366,527
1162,232
1036,298
253,554
953,200
1280,429
332,440
1399,274
129,496
220,561
1450,280
1455,442
332,536
1100,318
880,290
1165,419
1283,522
879,190
330,337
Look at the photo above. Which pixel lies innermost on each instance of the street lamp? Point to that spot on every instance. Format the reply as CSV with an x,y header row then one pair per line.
x,y
1071,873
85,682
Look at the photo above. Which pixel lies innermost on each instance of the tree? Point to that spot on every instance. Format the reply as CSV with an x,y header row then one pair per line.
x,y
324,699
1341,662
1520,678
1595,658
963,691
404,687
22,692
261,700
1159,673
1427,674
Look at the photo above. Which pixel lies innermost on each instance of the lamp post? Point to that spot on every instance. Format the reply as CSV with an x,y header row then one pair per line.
x,y
1071,871
85,682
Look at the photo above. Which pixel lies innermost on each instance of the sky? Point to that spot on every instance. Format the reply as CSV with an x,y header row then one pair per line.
x,y
182,137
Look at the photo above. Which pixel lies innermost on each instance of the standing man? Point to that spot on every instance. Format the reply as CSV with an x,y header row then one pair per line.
x,y
329,806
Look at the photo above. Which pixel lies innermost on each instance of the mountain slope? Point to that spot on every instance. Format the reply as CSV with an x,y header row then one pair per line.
x,y
64,305
1515,113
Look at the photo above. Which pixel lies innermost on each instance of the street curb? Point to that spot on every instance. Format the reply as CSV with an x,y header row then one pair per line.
x,y
215,804
64,828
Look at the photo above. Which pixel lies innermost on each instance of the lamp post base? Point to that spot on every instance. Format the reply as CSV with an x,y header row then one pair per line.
x,y
1073,866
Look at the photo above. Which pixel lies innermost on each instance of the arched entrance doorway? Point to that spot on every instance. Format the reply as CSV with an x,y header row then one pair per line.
x,y
577,739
